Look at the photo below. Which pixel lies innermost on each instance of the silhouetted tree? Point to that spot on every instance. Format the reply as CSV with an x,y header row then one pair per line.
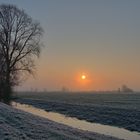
x,y
19,44
2,64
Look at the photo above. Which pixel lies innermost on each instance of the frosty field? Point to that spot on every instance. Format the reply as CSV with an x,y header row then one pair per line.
x,y
122,110
20,125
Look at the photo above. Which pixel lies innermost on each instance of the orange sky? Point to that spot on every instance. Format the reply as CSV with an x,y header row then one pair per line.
x,y
98,38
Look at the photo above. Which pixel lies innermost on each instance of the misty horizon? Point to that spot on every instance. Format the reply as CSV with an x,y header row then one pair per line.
x,y
98,38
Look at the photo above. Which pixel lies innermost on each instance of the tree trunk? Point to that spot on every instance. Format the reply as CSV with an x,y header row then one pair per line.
x,y
7,88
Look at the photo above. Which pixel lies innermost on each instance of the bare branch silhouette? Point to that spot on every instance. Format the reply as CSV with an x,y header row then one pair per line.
x,y
19,44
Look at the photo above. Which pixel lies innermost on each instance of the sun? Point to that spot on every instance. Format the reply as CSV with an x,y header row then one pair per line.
x,y
83,77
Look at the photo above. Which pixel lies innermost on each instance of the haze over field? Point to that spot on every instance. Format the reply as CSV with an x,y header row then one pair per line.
x,y
85,84
99,39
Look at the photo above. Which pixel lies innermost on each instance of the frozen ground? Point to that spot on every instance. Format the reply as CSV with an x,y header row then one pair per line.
x,y
19,125
122,110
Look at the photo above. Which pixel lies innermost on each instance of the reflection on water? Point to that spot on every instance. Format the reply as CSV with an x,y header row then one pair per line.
x,y
80,124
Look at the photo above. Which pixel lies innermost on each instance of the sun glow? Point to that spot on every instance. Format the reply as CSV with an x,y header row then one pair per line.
x,y
84,81
83,77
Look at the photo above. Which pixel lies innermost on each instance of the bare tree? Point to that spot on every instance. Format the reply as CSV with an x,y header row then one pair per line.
x,y
2,77
19,44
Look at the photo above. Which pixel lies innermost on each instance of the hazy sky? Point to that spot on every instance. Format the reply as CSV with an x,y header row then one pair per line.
x,y
100,38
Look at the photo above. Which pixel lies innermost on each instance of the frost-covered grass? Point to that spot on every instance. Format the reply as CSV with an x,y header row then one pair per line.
x,y
122,110
19,125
